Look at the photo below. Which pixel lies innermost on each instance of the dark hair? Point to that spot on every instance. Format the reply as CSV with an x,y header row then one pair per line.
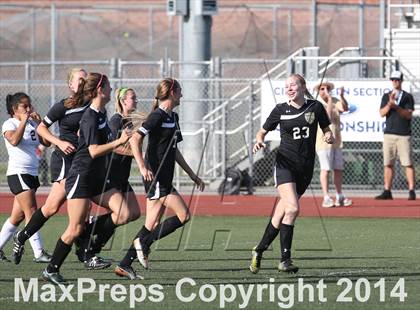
x,y
12,101
163,90
87,90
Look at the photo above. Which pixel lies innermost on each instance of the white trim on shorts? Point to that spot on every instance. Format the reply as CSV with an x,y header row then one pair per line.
x,y
275,175
24,186
73,189
157,191
62,171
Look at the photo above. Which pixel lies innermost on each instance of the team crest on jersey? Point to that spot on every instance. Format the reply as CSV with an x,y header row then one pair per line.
x,y
310,117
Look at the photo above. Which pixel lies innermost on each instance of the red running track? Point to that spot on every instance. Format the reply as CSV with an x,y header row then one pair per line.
x,y
213,205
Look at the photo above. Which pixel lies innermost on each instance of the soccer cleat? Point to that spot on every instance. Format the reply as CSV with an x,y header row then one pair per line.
x,y
53,277
141,255
343,202
127,271
287,266
412,195
3,257
18,249
328,202
43,258
255,261
96,263
385,195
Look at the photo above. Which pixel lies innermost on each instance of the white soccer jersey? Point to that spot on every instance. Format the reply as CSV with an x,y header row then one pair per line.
x,y
22,157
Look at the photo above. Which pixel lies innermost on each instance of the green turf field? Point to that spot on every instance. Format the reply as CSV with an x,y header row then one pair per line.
x,y
361,250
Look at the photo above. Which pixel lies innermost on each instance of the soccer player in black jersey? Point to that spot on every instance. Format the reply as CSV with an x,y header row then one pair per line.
x,y
157,169
298,119
125,104
87,179
120,166
68,114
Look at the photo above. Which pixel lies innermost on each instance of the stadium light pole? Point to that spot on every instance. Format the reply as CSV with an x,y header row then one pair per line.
x,y
313,38
362,26
195,48
53,25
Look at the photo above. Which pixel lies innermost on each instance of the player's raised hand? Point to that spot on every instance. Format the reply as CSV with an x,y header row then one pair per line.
x,y
341,93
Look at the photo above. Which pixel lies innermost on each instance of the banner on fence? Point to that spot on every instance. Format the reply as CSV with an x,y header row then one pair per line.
x,y
362,123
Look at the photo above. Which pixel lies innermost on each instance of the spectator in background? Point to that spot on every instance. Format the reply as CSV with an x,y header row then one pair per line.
x,y
331,155
397,106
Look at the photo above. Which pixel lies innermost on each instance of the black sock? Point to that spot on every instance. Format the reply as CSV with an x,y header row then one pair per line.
x,y
104,231
270,234
286,237
60,253
95,226
35,223
143,233
129,257
163,229
131,254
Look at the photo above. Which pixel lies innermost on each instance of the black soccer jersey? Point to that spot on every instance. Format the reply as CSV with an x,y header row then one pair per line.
x,y
164,134
298,128
94,129
120,164
68,120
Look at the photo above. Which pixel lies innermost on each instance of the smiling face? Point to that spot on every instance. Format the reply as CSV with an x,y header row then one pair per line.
x,y
294,89
130,101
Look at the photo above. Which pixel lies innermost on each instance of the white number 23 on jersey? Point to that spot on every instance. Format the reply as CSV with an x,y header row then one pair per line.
x,y
300,133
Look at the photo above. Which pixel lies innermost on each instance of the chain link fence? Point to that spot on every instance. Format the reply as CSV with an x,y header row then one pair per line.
x,y
231,117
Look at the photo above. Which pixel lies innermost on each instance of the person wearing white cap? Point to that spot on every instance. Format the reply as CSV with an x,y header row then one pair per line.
x,y
331,155
397,106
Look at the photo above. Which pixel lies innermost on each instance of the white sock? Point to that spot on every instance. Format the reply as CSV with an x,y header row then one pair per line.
x,y
339,196
36,244
6,233
326,197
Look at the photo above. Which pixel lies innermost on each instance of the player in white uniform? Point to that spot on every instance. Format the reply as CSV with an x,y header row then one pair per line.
x,y
21,139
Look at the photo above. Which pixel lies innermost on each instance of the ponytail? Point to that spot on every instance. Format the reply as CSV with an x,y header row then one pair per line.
x,y
163,90
77,99
308,94
118,104
155,103
135,120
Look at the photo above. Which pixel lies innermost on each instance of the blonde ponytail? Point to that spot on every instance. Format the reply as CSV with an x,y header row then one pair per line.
x,y
118,104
